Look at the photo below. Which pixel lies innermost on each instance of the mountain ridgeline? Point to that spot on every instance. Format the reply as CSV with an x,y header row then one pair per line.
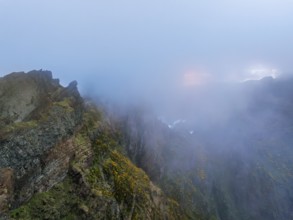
x,y
65,157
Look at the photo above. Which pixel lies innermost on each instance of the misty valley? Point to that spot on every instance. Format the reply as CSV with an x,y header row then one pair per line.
x,y
214,151
229,156
146,110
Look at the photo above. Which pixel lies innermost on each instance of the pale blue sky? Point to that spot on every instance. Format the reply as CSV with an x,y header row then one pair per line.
x,y
144,43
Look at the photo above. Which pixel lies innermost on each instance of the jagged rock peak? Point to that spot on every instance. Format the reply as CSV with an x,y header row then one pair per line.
x,y
72,89
73,84
38,117
65,161
38,75
21,93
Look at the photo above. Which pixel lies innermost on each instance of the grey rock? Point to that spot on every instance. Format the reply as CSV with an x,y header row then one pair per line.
x,y
39,116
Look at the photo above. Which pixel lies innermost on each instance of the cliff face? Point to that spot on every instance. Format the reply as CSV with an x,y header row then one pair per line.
x,y
22,93
37,117
60,158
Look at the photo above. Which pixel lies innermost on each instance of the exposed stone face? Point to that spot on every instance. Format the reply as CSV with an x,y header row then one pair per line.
x,y
55,165
60,159
63,159
38,117
6,188
21,93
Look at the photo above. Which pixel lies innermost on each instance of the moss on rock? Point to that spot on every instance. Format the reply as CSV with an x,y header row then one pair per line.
x,y
102,182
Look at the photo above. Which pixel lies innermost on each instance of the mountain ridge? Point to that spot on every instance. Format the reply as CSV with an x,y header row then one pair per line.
x,y
60,145
64,157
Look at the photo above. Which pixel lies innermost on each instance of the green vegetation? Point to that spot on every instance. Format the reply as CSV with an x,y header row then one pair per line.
x,y
130,183
65,103
58,203
92,117
18,126
102,182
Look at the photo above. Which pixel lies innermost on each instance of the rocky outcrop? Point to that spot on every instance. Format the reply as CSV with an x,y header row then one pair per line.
x,y
60,158
38,118
21,93
6,188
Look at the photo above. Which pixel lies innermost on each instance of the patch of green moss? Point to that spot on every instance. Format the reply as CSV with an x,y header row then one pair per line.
x,y
130,182
65,103
57,203
95,174
99,187
103,147
103,182
92,117
18,126
81,164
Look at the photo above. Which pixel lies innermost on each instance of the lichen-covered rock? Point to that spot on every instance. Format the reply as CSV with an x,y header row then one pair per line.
x,y
6,188
21,93
60,158
38,118
102,183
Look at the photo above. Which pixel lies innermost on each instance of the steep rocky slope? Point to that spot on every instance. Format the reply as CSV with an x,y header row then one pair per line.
x,y
37,115
60,158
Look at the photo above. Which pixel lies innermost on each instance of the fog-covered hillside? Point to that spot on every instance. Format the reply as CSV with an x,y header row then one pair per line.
x,y
217,152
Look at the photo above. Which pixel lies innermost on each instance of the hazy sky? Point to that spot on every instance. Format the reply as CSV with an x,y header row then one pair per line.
x,y
146,43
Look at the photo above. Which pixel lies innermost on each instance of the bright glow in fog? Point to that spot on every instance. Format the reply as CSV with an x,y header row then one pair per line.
x,y
177,59
260,72
105,45
195,78
191,79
